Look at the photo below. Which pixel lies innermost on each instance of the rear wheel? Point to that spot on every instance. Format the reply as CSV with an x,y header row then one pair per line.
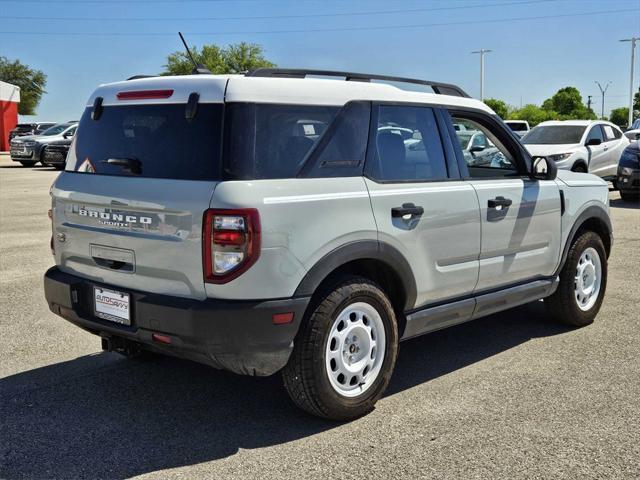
x,y
583,282
345,352
27,163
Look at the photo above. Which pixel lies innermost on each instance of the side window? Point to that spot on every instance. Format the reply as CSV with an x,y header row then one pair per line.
x,y
609,132
407,145
483,153
271,140
341,152
595,133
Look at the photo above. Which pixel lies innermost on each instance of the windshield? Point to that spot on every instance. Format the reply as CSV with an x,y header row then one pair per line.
x,y
149,141
554,135
56,129
517,127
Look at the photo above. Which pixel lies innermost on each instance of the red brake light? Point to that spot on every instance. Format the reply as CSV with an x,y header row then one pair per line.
x,y
228,238
230,243
144,94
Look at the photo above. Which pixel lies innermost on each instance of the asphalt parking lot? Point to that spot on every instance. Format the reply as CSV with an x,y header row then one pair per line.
x,y
507,396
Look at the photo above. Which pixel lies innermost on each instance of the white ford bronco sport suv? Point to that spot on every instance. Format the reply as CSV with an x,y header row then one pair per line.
x,y
279,221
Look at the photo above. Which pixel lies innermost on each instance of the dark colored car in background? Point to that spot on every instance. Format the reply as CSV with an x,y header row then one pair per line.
x,y
29,150
628,179
35,128
55,153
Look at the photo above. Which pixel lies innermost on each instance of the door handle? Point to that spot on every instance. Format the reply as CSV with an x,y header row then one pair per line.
x,y
499,202
407,209
606,148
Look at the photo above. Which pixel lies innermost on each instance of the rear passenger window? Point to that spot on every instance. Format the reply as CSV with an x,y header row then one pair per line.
x,y
609,132
341,152
271,141
407,146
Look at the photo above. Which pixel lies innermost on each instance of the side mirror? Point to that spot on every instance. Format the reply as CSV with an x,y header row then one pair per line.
x,y
544,169
476,148
593,142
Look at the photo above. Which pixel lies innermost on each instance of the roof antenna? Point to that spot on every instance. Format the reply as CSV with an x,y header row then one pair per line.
x,y
198,68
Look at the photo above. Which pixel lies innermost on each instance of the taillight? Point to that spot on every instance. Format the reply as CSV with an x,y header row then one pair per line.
x,y
231,243
50,215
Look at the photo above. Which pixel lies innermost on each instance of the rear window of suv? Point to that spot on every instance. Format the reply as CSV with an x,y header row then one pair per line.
x,y
157,139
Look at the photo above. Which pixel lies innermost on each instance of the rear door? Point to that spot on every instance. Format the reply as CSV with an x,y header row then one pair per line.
x,y
520,216
140,173
614,145
421,206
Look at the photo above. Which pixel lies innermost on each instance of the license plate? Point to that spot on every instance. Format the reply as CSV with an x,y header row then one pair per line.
x,y
112,305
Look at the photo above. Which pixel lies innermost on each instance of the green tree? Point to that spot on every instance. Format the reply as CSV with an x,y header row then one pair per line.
x,y
234,58
533,114
30,81
567,103
498,106
620,116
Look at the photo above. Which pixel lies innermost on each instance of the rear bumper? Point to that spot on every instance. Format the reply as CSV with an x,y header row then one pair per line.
x,y
233,335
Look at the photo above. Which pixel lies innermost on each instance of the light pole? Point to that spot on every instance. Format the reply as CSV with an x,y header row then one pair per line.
x,y
482,53
603,91
633,41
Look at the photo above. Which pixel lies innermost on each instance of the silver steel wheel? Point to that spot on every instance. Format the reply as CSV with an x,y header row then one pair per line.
x,y
588,279
355,349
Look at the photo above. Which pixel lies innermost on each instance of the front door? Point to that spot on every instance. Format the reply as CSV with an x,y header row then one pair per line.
x,y
421,207
598,154
520,217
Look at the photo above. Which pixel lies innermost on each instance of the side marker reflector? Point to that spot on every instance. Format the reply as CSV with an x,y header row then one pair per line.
x,y
156,337
282,318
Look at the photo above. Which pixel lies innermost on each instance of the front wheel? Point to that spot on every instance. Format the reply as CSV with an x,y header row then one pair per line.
x,y
27,163
345,352
583,282
579,169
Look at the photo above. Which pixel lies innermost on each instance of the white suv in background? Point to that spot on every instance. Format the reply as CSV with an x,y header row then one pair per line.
x,y
519,127
578,145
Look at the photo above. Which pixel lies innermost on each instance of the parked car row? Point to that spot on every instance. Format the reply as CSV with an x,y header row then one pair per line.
x,y
49,146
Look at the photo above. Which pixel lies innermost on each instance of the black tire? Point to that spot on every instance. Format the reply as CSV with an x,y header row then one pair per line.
x,y
59,166
28,163
562,306
580,168
305,375
629,196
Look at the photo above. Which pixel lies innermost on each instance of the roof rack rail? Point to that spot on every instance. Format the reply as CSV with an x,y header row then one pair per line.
x,y
438,87
136,77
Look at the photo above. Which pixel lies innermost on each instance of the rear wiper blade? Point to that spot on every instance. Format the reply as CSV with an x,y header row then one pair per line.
x,y
130,165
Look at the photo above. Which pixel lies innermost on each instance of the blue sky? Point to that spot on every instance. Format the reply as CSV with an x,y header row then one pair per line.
x,y
531,59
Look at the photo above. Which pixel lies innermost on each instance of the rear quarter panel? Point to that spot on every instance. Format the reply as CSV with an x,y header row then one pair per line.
x,y
301,220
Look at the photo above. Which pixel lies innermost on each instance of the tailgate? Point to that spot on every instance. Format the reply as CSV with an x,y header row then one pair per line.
x,y
140,172
129,232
